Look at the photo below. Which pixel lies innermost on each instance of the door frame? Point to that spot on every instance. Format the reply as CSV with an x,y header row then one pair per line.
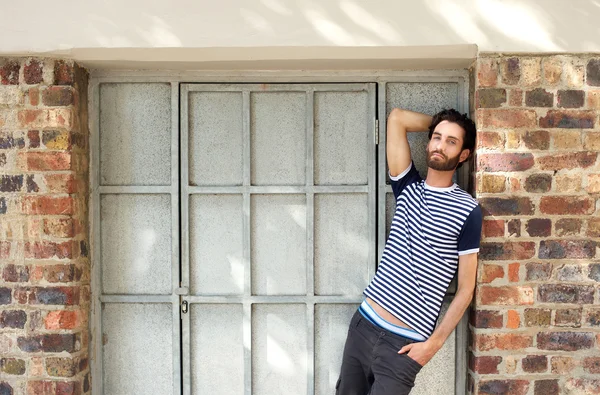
x,y
176,79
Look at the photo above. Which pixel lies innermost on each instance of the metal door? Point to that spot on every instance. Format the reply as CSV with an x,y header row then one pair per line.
x,y
278,232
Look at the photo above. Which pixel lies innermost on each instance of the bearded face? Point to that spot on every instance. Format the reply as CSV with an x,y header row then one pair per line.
x,y
440,162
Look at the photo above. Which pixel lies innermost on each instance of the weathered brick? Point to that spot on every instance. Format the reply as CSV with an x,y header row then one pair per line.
x,y
48,205
15,273
594,272
539,98
567,140
46,118
505,162
593,227
9,72
5,295
59,227
61,367
63,73
552,70
485,364
537,317
510,71
62,273
571,249
68,388
56,140
583,386
493,140
5,247
546,387
11,183
33,72
593,183
33,95
12,366
592,317
486,319
48,249
490,98
58,96
568,226
568,318
565,341
62,319
531,71
574,73
569,272
538,183
506,206
6,388
593,72
55,296
513,319
491,272
491,183
537,139
489,295
507,251
49,343
40,388
566,293
503,341
3,205
535,364
514,228
591,365
13,319
538,227
571,98
60,183
515,97
562,365
567,205
503,387
568,119
568,182
11,140
45,161
513,118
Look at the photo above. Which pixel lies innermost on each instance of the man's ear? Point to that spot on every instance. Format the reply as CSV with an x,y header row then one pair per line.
x,y
464,155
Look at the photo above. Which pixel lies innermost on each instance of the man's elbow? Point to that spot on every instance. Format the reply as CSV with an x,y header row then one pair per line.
x,y
396,115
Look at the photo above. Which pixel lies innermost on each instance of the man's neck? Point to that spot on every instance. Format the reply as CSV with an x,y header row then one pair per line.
x,y
439,179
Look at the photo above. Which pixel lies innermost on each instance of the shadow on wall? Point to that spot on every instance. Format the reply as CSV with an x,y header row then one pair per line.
x,y
491,24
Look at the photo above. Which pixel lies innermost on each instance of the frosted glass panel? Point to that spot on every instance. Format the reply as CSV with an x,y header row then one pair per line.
x,y
216,244
137,350
279,350
135,134
215,142
217,349
136,244
341,138
331,328
278,138
278,244
341,244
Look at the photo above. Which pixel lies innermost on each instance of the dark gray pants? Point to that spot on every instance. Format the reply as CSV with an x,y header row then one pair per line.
x,y
371,364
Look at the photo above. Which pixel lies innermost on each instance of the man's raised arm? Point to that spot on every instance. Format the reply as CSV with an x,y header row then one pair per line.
x,y
399,123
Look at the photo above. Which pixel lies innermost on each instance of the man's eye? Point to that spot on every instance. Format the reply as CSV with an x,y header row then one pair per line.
x,y
452,142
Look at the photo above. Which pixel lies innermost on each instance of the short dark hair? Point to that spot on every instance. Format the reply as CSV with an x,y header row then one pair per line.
x,y
462,120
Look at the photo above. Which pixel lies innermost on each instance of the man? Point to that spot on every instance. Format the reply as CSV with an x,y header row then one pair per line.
x,y
435,233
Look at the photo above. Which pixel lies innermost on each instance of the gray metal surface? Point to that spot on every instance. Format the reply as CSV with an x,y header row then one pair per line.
x,y
136,244
279,349
278,244
136,338
217,349
341,244
135,134
331,328
216,245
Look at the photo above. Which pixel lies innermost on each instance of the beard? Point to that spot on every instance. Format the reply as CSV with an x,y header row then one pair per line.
x,y
448,164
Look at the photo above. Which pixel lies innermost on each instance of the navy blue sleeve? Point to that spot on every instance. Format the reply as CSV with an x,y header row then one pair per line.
x,y
470,234
407,177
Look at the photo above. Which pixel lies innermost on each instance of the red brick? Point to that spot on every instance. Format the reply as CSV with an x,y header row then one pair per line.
x,y
60,183
491,272
538,271
565,341
54,296
567,161
492,140
569,249
591,365
567,205
503,387
63,73
40,388
506,206
46,118
34,96
507,118
48,249
9,73
515,97
538,227
535,364
487,72
503,341
566,293
15,273
507,251
62,319
59,227
493,228
62,273
5,247
33,72
48,205
568,119
485,364
58,96
514,228
504,162
546,387
513,320
513,272
68,388
45,161
583,386
503,296
486,319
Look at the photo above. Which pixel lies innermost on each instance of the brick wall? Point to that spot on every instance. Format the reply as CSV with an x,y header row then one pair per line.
x,y
44,269
535,327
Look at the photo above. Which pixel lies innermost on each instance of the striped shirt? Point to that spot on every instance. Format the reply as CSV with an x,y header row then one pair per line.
x,y
431,228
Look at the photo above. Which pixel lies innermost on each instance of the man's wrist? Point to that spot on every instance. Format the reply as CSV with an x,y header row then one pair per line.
x,y
435,343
